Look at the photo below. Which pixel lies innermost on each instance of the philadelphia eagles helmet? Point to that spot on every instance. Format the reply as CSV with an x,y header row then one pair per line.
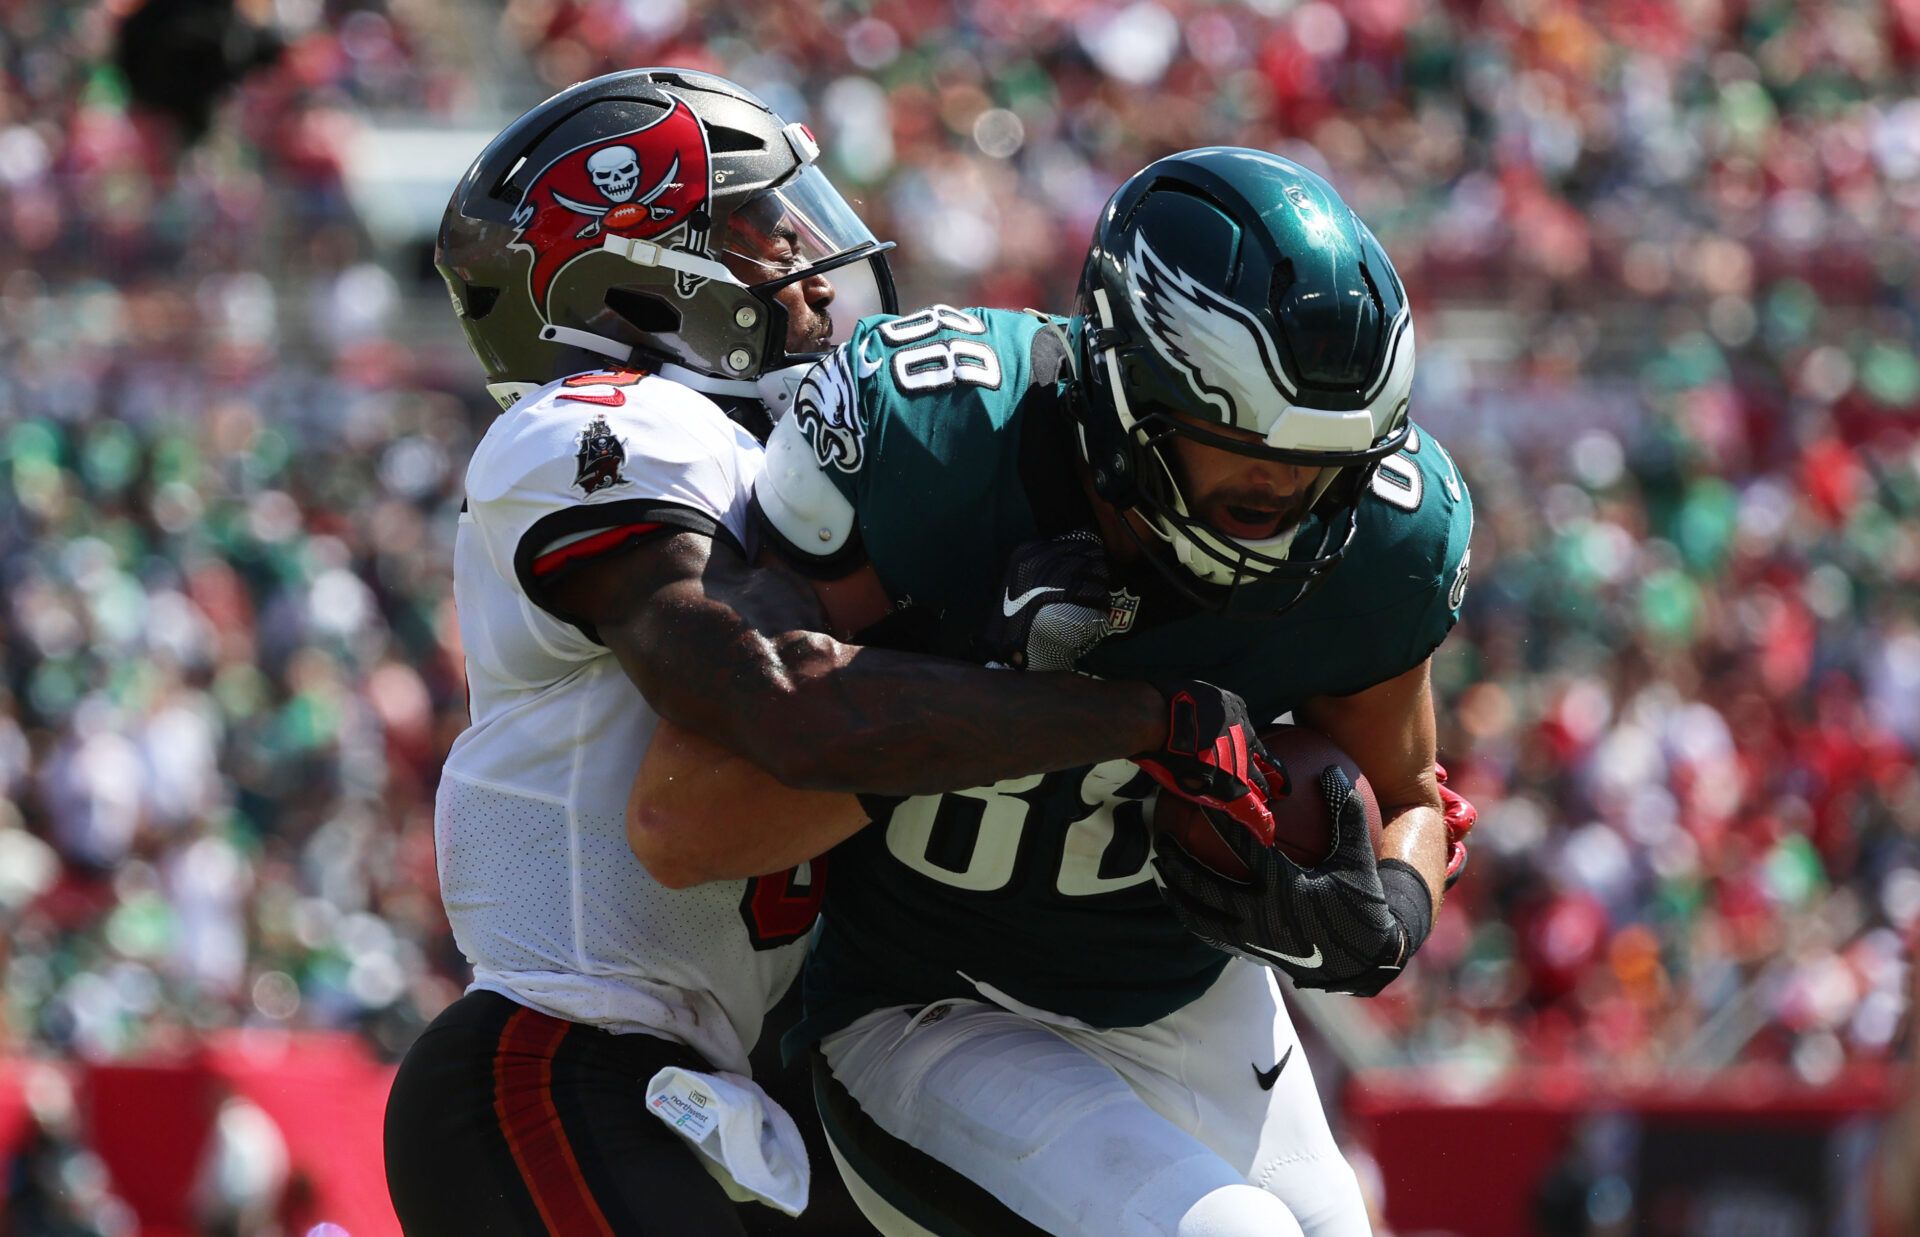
x,y
1234,288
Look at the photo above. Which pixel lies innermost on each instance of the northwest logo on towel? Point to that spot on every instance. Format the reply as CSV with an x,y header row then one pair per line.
x,y
684,1108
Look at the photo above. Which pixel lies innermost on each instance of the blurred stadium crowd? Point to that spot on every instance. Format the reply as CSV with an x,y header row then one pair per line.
x,y
1664,263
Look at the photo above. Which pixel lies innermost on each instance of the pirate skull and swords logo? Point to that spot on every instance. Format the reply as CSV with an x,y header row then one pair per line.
x,y
616,174
645,183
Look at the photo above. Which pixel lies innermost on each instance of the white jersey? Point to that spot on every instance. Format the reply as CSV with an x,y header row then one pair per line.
x,y
546,899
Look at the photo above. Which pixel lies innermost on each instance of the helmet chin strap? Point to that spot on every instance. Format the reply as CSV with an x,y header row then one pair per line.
x,y
1213,556
1110,355
587,341
775,389
1219,598
646,253
1216,598
708,384
507,394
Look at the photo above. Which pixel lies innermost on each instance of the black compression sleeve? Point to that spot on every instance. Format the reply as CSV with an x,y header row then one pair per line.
x,y
1408,899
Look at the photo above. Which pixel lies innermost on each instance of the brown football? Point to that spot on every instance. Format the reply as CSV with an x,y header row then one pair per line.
x,y
625,216
1302,828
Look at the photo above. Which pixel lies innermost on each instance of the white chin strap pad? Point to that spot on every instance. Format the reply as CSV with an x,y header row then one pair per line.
x,y
587,341
708,384
646,253
1204,565
1190,550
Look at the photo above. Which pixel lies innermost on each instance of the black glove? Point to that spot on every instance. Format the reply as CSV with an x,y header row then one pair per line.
x,y
1213,756
1055,606
1347,925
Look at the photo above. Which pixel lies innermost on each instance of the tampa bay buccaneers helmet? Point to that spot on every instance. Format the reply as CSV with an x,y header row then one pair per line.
x,y
608,223
1234,288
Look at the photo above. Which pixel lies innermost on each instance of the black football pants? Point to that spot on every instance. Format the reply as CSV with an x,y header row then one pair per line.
x,y
506,1121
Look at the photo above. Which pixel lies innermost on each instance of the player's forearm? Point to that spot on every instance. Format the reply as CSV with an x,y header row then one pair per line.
x,y
1388,729
699,813
1417,835
739,656
834,716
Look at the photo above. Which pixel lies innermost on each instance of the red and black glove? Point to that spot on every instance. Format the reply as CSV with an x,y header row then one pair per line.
x,y
1212,755
1348,924
1459,815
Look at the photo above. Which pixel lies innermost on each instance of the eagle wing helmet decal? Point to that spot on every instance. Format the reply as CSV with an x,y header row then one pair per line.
x,y
1210,340
643,183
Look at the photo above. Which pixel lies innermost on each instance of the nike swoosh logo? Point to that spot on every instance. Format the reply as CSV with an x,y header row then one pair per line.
x,y
867,364
1013,605
1267,1077
1309,962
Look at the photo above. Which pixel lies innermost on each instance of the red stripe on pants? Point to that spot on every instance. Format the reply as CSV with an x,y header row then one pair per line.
x,y
523,1102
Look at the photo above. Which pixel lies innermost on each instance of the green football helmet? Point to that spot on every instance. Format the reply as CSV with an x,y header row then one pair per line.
x,y
1234,288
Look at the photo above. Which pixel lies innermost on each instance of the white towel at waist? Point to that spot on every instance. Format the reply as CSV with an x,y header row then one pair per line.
x,y
748,1142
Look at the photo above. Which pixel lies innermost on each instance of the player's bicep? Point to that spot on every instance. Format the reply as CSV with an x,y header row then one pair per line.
x,y
605,591
572,561
1389,731
710,640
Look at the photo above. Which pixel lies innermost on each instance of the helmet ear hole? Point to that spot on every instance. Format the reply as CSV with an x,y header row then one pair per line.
x,y
722,140
644,311
477,303
1283,278
508,189
1373,290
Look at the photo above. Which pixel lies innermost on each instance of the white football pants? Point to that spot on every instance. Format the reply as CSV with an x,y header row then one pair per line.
x,y
1161,1129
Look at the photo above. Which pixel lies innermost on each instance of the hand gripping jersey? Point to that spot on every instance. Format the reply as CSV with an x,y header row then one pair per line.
x,y
546,900
934,444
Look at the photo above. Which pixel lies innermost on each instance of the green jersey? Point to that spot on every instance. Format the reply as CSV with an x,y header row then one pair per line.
x,y
934,444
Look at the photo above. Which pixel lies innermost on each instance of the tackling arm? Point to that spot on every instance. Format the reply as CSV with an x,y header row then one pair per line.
x,y
698,812
735,655
697,809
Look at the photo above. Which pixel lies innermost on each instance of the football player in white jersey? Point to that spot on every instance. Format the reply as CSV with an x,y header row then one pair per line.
x,y
639,262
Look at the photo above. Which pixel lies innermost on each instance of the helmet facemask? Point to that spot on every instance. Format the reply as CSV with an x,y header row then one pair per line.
x,y
1220,558
796,233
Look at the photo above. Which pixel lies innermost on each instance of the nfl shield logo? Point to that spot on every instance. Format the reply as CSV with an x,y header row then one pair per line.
x,y
1122,606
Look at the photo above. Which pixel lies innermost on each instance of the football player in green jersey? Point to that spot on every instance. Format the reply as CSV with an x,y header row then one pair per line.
x,y
1020,1028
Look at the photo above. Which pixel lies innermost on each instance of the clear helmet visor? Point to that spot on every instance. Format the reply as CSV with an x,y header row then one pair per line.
x,y
801,247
